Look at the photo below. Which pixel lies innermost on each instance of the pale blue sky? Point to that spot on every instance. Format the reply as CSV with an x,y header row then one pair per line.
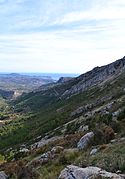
x,y
69,36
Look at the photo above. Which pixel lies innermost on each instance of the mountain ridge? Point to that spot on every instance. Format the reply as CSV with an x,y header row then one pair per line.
x,y
96,76
60,91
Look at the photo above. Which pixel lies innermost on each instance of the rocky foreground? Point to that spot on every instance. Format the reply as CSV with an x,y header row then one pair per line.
x,y
74,172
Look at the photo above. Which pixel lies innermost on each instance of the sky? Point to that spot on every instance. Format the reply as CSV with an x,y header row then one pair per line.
x,y
60,36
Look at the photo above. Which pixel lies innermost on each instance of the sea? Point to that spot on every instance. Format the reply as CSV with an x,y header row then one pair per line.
x,y
54,76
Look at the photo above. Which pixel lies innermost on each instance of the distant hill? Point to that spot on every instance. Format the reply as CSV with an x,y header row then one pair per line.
x,y
19,83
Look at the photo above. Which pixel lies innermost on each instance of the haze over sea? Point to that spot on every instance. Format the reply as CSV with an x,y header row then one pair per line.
x,y
54,76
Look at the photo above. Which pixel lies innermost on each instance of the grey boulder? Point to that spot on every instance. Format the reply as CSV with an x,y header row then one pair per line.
x,y
3,175
85,140
74,172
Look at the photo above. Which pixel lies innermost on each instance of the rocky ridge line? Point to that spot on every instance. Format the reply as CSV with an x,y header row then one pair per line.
x,y
95,77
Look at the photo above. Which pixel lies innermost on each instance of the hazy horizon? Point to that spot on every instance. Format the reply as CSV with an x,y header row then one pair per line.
x,y
37,73
54,76
66,36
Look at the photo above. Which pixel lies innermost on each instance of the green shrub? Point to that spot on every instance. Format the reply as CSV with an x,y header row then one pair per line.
x,y
121,115
103,134
72,128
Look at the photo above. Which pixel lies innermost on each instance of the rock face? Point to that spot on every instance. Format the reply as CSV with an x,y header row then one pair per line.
x,y
57,149
83,128
24,150
85,141
93,151
87,108
45,141
95,77
47,156
3,175
74,172
64,79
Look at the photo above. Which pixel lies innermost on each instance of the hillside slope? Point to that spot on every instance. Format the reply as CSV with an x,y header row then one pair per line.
x,y
44,111
59,91
66,111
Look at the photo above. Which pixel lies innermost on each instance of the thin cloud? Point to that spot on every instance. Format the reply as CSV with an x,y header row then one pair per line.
x,y
60,36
